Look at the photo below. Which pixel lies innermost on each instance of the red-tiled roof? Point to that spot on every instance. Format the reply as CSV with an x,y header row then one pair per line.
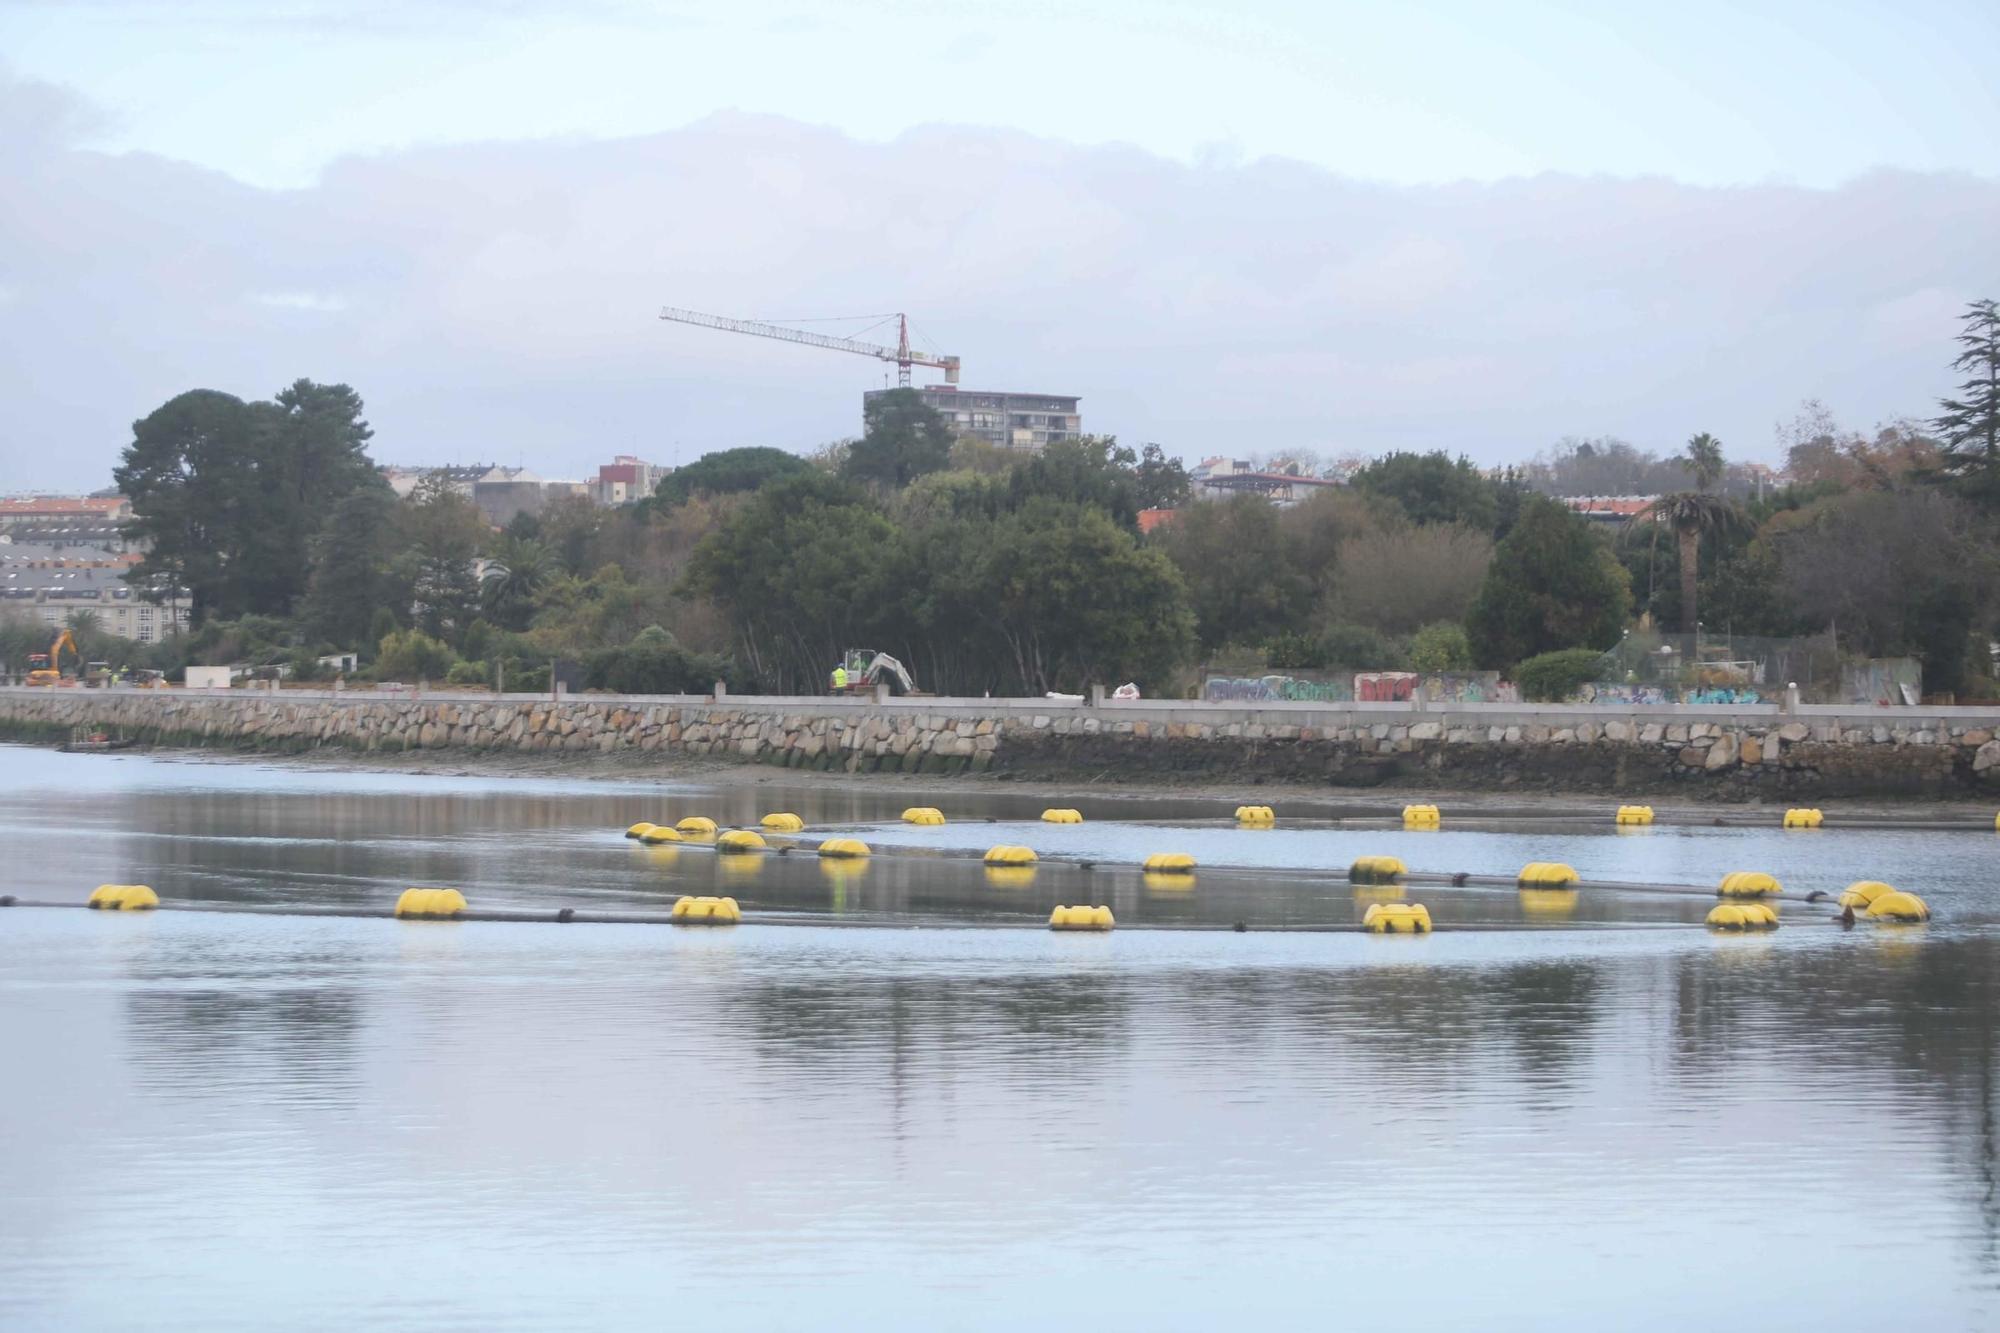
x,y
1153,518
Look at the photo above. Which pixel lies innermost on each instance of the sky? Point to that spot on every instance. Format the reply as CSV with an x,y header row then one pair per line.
x,y
1232,229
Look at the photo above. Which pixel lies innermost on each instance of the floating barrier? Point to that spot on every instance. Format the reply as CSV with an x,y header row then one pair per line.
x,y
640,829
1861,894
1898,906
1803,819
1080,918
1748,884
697,825
848,848
783,823
1256,816
122,898
1421,816
1169,863
1376,870
659,833
1008,854
1397,919
1742,916
706,911
1634,814
430,904
923,814
1546,874
738,841
1061,817
1009,877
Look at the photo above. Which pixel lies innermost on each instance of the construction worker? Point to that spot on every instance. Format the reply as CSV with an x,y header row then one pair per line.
x,y
840,679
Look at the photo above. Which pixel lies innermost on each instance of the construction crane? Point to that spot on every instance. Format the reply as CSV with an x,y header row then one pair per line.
x,y
901,353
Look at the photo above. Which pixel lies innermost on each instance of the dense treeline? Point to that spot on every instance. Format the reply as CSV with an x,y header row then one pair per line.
x,y
987,571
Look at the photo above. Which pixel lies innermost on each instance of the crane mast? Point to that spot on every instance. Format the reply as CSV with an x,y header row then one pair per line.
x,y
901,353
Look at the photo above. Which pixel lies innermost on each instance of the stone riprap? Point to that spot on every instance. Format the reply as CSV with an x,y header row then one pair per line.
x,y
1724,753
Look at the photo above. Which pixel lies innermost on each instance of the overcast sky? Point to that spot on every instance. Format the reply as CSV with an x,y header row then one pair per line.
x,y
1237,228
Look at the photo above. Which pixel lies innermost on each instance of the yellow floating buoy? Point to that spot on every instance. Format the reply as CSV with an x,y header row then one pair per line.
x,y
1996,823
1010,877
1634,814
1080,918
430,904
1061,817
1256,815
1156,881
1421,816
123,898
1742,916
1397,919
1376,870
1862,893
1803,819
1748,884
640,829
1898,906
1169,863
844,847
1545,875
782,823
923,814
705,911
739,840
658,833
698,825
1007,854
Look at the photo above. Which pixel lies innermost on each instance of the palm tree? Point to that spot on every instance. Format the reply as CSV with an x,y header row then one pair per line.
x,y
516,573
1693,515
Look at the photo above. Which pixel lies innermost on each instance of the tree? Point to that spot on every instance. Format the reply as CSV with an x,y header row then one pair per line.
x,y
1433,488
442,534
903,438
1078,601
1692,515
513,577
1553,583
1969,426
727,472
1442,646
1243,578
353,570
227,495
1401,576
1094,470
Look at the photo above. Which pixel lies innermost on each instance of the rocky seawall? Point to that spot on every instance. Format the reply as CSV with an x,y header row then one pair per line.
x,y
1727,754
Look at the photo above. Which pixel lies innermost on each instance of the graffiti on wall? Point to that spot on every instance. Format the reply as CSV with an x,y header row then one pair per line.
x,y
1470,687
1275,689
1612,693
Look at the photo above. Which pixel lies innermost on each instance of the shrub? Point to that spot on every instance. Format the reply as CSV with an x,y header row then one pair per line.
x,y
409,655
1442,646
653,665
1553,677
468,673
1359,648
1293,651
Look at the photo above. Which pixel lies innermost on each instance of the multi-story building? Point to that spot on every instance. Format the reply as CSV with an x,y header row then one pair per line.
x,y
626,479
1218,478
90,522
53,585
1026,421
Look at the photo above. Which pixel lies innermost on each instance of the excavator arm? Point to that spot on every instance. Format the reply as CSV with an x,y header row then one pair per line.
x,y
884,662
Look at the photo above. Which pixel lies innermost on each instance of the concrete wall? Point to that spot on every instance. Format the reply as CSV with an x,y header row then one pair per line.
x,y
1749,752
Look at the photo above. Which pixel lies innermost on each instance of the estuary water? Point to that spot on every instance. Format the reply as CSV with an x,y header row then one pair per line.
x,y
892,1112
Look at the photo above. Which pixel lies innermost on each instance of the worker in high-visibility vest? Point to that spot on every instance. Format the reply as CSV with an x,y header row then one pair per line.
x,y
840,679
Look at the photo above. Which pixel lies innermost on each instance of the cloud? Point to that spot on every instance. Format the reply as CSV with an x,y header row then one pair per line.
x,y
499,300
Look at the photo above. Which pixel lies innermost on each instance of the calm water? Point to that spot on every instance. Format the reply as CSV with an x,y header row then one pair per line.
x,y
250,1122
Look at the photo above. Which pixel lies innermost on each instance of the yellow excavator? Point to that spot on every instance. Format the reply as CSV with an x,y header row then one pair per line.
x,y
46,668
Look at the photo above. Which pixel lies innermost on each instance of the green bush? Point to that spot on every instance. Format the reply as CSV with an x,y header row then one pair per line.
x,y
1441,646
412,655
468,673
654,665
1292,651
1553,677
1359,648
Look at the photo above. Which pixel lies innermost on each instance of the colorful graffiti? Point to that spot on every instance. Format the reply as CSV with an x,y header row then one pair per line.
x,y
1275,689
1618,694
1470,687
